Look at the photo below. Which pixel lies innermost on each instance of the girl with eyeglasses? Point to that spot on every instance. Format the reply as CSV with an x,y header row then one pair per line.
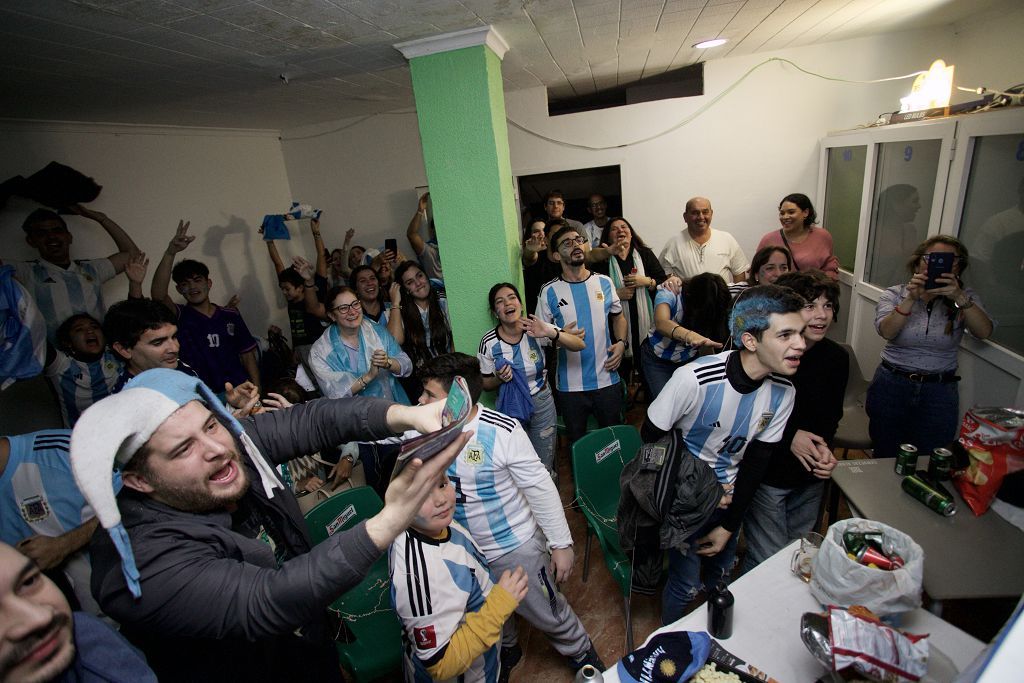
x,y
356,355
913,397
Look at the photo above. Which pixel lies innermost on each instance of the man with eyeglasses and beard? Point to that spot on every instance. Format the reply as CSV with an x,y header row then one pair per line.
x,y
587,382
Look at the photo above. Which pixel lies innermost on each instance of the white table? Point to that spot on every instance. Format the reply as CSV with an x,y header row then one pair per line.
x,y
766,624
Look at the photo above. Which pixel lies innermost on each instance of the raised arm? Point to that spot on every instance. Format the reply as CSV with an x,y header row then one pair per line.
x,y
275,256
126,247
135,271
158,289
313,304
413,231
318,242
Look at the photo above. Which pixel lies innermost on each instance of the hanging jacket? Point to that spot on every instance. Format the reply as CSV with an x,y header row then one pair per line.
x,y
667,494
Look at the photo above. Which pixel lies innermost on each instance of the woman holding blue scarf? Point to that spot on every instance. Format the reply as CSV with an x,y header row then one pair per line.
x,y
356,355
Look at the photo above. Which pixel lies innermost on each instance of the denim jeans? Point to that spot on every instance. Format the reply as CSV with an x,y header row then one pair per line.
x,y
903,411
542,428
576,406
778,516
657,371
684,571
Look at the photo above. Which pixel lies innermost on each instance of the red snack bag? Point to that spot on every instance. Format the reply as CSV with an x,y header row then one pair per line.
x,y
994,441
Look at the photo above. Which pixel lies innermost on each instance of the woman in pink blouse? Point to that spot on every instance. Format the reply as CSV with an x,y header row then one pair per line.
x,y
811,246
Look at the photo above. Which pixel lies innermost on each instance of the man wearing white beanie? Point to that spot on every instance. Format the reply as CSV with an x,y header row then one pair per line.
x,y
208,565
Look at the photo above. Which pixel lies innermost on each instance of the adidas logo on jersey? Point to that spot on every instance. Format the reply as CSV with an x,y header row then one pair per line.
x,y
562,302
716,425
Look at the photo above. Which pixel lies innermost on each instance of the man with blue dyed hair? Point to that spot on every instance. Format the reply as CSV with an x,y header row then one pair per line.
x,y
505,498
730,408
587,382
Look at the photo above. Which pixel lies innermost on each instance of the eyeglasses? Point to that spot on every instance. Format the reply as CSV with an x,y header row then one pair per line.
x,y
345,308
571,241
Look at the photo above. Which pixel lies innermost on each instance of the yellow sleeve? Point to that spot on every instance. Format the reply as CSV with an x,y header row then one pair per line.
x,y
479,631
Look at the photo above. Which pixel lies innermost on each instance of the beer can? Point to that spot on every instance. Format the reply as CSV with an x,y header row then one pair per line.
x,y
931,494
906,459
871,557
940,465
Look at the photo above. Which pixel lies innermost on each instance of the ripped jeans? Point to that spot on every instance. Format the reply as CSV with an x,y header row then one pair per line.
x,y
684,571
542,428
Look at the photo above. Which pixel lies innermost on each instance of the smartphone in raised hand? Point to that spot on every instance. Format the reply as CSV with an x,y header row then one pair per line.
x,y
938,264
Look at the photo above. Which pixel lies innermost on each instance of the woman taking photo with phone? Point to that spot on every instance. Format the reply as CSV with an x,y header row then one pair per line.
x,y
913,396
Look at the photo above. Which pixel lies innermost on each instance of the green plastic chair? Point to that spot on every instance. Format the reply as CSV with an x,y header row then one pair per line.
x,y
597,462
373,633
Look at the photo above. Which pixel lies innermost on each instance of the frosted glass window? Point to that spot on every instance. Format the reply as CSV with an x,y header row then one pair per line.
x,y
992,229
844,188
901,207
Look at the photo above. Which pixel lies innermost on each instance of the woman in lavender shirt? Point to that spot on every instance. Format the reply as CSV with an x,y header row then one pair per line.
x,y
913,396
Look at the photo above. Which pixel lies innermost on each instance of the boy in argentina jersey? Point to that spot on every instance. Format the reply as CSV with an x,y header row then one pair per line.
x,y
451,611
730,408
587,380
82,369
506,500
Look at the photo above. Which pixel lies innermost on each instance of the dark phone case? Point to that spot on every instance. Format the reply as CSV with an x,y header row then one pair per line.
x,y
937,265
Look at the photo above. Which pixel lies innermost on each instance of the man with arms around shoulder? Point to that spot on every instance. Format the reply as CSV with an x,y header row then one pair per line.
x,y
730,410
786,504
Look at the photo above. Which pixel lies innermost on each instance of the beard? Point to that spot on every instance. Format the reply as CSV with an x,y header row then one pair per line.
x,y
48,670
197,498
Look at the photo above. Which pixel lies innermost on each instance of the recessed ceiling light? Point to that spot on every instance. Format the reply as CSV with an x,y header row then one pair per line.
x,y
705,44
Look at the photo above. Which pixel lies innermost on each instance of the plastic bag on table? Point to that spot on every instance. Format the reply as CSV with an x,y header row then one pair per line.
x,y
836,579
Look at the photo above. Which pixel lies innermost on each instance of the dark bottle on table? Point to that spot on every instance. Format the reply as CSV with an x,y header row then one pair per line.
x,y
720,602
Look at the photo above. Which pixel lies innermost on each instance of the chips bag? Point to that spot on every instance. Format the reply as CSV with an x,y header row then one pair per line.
x,y
994,441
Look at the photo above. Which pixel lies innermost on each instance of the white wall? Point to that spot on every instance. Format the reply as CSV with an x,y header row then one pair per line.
x,y
221,180
757,144
363,177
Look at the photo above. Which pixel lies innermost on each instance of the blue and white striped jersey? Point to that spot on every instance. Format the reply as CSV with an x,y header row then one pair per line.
x,y
79,384
588,304
717,421
434,584
489,475
662,346
60,293
527,356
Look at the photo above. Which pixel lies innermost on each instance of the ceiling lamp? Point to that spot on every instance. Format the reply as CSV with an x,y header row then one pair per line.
x,y
705,44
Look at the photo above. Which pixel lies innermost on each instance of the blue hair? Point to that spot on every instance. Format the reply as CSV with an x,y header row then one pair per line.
x,y
754,307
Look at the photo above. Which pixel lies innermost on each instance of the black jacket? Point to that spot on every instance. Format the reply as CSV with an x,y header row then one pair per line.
x,y
215,605
667,495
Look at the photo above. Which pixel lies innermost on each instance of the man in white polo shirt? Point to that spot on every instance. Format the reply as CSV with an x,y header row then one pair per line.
x,y
698,249
587,382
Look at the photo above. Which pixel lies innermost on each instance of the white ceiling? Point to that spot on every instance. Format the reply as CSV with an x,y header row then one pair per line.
x,y
219,62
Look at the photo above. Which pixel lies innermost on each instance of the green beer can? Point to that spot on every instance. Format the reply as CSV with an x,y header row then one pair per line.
x,y
906,459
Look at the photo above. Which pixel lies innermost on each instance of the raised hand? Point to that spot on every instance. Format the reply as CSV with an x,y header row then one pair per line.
x,y
181,238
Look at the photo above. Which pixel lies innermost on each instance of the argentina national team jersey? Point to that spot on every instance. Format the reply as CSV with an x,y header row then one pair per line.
x,y
717,421
665,347
588,304
61,292
80,384
434,584
488,476
527,356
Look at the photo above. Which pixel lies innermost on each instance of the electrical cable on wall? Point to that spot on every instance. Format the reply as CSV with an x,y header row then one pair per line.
x,y
707,106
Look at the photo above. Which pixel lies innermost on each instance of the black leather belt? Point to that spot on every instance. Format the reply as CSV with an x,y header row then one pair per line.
x,y
924,378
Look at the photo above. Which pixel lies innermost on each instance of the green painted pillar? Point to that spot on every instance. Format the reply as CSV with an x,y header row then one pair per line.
x,y
460,105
